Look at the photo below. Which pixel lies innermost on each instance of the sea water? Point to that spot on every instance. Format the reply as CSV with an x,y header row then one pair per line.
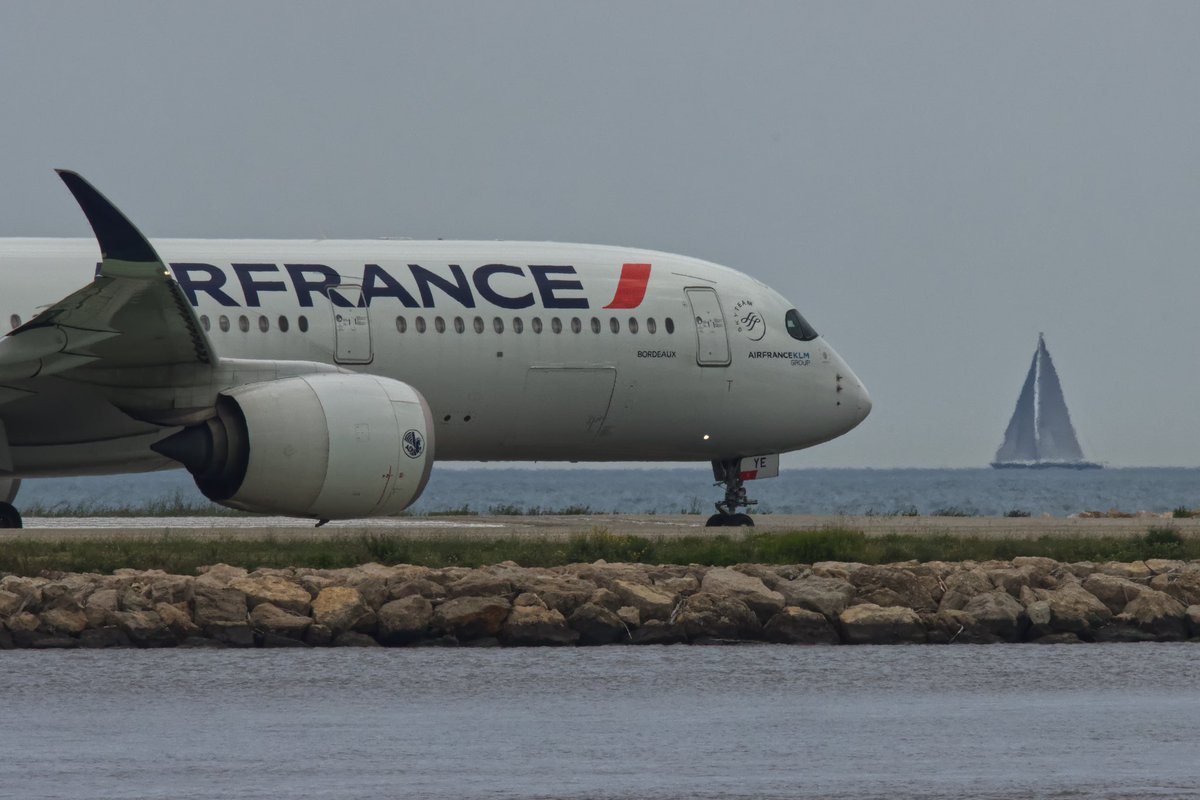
x,y
667,723
674,490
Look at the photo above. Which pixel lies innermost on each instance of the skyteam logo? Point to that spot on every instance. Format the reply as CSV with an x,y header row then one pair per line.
x,y
414,443
750,323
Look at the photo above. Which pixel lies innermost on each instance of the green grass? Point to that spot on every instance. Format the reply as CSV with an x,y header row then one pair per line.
x,y
183,554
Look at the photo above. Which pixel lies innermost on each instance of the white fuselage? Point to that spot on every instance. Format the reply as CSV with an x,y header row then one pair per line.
x,y
523,351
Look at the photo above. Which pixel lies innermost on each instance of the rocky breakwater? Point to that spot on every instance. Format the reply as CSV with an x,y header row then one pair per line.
x,y
1026,599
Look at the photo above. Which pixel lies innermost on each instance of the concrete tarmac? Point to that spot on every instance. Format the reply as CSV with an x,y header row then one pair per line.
x,y
562,526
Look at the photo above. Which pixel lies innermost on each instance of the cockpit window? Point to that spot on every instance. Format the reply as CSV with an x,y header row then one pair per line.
x,y
798,327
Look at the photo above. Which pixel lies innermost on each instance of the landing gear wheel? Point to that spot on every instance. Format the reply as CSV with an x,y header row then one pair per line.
x,y
729,521
727,472
10,517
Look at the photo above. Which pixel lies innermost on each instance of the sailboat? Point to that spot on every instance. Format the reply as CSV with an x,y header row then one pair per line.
x,y
1040,433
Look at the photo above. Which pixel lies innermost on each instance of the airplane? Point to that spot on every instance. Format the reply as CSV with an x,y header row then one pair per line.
x,y
320,379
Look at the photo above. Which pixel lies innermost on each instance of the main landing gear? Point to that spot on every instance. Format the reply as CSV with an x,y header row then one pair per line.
x,y
728,472
9,516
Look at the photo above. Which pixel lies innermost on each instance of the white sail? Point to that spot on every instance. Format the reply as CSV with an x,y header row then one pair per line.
x,y
1020,442
1040,433
1055,436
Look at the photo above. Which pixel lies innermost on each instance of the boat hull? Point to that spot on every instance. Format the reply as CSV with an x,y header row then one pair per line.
x,y
1046,465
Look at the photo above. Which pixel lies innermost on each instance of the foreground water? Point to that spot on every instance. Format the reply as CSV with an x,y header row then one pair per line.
x,y
984,492
1006,721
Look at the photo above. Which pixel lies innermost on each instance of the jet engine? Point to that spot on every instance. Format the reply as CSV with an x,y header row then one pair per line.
x,y
325,446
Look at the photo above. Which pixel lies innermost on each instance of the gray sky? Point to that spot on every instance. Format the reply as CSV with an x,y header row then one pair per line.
x,y
931,183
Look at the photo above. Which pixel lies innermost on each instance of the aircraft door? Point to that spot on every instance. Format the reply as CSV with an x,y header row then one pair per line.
x,y
712,337
351,328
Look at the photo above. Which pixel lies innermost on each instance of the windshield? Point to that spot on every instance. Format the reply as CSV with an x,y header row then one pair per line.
x,y
798,327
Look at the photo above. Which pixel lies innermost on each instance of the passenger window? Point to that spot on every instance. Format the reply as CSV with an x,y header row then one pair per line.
x,y
264,324
283,323
669,324
302,323
651,326
556,325
613,325
204,323
595,325
478,324
223,324
498,325
518,325
536,324
439,324
576,325
459,325
401,325
243,324
798,327
633,325
15,320
419,324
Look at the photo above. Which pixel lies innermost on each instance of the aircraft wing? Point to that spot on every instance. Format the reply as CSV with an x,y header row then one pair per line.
x,y
133,314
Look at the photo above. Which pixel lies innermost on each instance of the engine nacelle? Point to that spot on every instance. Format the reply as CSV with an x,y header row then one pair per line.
x,y
326,446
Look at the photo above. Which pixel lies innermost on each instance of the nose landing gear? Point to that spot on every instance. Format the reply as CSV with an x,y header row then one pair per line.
x,y
727,472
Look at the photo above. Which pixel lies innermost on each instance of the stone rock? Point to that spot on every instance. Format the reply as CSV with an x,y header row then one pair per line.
x,y
10,603
268,639
1123,631
1111,590
683,585
528,599
177,619
480,584
372,588
795,625
962,586
606,598
954,626
1134,570
23,622
711,616
313,584
630,616
869,623
560,592
220,574
998,613
1041,620
883,586
827,596
651,603
105,636
725,582
404,620
27,589
62,620
1184,586
341,608
1192,617
318,636
532,626
144,628
61,594
278,591
469,618
1073,609
597,625
354,639
1009,579
268,619
217,604
421,587
656,631
1156,613
100,604
1162,565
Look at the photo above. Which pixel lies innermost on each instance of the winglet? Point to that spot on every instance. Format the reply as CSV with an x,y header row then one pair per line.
x,y
119,239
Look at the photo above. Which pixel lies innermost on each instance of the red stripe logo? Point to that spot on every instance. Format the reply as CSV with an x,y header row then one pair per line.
x,y
631,291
